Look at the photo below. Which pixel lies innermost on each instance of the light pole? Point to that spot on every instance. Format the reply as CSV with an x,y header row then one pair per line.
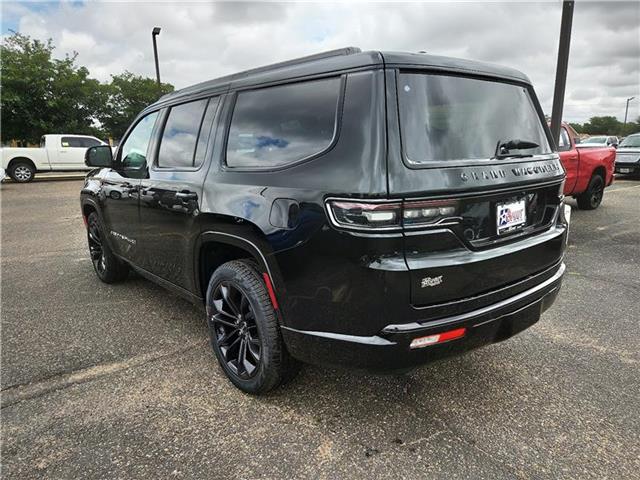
x,y
626,110
154,33
561,68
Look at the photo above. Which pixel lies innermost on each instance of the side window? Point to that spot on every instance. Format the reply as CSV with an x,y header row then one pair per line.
x,y
73,142
90,142
205,131
183,144
565,143
276,126
133,152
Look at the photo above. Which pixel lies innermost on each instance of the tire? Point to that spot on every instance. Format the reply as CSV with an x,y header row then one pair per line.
x,y
22,171
108,267
244,331
591,198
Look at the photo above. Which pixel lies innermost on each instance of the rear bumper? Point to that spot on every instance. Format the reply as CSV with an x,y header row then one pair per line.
x,y
627,167
390,348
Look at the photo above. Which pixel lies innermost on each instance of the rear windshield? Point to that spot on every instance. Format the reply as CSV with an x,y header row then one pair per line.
x,y
447,118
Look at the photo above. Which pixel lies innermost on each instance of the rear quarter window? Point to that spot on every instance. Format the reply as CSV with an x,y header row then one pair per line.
x,y
277,126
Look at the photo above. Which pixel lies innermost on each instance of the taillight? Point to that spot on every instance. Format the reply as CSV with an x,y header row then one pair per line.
x,y
365,215
428,212
391,215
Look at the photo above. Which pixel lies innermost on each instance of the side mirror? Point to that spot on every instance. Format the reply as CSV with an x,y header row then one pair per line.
x,y
99,156
576,140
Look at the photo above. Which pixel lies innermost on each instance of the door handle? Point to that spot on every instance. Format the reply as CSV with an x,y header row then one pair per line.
x,y
187,195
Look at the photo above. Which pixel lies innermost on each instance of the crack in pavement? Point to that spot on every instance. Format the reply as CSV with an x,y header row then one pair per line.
x,y
19,393
511,471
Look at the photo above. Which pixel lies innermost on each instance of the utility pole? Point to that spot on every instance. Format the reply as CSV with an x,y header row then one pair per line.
x,y
561,68
154,33
626,110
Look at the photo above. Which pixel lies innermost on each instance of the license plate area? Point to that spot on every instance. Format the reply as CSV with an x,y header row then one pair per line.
x,y
625,170
511,216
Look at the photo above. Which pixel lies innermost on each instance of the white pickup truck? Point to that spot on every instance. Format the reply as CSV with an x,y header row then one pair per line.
x,y
56,152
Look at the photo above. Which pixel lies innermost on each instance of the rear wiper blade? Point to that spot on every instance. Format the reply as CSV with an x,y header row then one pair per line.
x,y
503,148
511,155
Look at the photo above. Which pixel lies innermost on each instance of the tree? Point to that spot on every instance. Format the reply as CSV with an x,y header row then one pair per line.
x,y
127,95
41,94
630,127
577,127
602,125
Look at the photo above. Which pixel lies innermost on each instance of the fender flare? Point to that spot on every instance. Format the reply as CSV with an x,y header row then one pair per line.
x,y
264,259
88,201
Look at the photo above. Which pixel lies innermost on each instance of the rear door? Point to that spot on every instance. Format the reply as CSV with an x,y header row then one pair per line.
x,y
171,191
478,203
71,153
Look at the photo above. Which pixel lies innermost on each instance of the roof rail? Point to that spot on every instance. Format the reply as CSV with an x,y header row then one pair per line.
x,y
288,63
309,58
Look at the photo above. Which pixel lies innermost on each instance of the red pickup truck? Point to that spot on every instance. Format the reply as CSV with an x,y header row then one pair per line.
x,y
589,169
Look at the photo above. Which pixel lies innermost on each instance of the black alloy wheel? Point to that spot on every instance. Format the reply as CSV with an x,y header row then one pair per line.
x,y
96,252
592,197
235,329
108,267
244,330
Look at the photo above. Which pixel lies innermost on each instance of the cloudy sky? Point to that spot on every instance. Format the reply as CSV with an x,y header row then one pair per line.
x,y
200,41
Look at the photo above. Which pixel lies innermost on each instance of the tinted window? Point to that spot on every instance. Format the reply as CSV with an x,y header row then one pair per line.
x,y
445,118
90,142
73,142
280,125
180,135
205,132
133,151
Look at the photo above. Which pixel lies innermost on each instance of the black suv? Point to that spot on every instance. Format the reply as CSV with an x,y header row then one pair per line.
x,y
372,209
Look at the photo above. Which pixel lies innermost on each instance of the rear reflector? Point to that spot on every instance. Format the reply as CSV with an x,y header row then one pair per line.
x,y
437,338
270,290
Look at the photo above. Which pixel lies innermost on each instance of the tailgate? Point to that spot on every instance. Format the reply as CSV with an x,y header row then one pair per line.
x,y
479,182
468,256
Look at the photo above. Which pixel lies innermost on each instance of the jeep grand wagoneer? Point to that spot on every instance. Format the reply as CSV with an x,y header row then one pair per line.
x,y
371,209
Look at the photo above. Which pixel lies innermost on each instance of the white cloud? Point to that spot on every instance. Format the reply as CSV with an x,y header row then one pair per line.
x,y
200,41
72,41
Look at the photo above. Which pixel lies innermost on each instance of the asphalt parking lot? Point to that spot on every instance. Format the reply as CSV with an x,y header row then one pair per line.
x,y
119,381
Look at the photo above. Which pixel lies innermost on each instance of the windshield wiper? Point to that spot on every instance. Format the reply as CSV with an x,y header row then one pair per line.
x,y
503,148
